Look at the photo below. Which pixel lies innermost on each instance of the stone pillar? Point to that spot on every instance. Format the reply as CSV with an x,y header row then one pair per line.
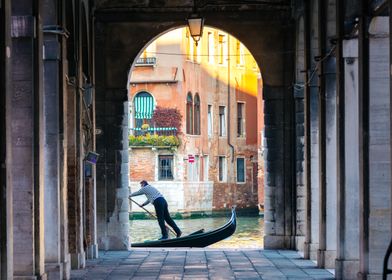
x,y
314,195
73,184
115,133
330,145
26,146
379,234
112,144
300,138
329,71
51,73
6,222
92,247
347,263
277,222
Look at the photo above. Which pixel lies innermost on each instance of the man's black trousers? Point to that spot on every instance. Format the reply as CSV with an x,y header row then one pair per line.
x,y
163,215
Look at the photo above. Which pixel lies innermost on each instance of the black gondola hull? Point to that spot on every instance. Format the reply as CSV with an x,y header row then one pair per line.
x,y
196,240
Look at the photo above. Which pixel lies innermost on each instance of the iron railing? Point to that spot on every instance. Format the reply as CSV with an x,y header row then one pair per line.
x,y
161,131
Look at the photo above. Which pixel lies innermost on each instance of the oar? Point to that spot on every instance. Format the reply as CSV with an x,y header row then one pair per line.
x,y
151,214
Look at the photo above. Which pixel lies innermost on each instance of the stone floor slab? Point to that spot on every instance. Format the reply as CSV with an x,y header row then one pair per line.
x,y
200,264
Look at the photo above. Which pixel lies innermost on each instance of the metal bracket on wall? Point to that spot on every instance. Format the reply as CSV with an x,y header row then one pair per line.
x,y
55,29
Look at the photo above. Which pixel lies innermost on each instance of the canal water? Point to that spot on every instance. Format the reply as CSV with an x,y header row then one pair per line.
x,y
248,234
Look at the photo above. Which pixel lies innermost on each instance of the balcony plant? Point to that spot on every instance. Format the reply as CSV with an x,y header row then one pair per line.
x,y
154,140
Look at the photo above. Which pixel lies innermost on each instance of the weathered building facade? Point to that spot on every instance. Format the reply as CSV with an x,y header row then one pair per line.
x,y
326,87
216,164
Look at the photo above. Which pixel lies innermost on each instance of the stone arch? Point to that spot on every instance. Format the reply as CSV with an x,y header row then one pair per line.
x,y
268,38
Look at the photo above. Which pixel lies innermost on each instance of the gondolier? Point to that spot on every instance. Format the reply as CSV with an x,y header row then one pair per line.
x,y
156,198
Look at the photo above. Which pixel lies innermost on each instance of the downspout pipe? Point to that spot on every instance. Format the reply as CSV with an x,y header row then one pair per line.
x,y
228,100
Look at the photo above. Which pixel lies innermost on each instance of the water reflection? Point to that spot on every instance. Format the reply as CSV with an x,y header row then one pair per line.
x,y
249,232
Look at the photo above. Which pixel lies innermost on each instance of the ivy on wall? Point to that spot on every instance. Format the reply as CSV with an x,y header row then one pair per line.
x,y
167,117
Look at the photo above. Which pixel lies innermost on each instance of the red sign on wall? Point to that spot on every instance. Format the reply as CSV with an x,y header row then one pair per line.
x,y
191,158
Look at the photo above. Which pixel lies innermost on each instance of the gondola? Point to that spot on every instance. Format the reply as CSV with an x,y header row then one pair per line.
x,y
196,239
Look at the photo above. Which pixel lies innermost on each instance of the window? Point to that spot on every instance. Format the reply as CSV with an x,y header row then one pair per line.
x,y
148,57
206,167
240,56
222,169
240,170
197,51
196,127
221,46
209,120
165,167
210,47
144,106
189,45
222,121
240,119
189,114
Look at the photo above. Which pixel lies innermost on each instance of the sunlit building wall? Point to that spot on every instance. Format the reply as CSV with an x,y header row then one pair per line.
x,y
216,86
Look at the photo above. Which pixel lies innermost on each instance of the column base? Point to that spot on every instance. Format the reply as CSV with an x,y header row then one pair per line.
x,y
66,269
346,269
78,260
279,242
330,258
92,251
111,242
321,258
54,270
311,250
300,243
33,277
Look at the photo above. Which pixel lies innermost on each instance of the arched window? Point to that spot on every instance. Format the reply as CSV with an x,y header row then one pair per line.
x,y
144,106
196,117
189,114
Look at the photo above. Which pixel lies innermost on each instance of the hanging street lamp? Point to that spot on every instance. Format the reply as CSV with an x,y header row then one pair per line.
x,y
195,25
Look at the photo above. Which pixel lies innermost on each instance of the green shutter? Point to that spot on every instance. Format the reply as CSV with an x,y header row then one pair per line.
x,y
144,106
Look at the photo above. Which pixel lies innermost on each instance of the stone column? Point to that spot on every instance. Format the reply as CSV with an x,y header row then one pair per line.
x,y
347,262
314,195
114,124
329,71
112,144
6,222
300,137
277,222
51,73
330,168
379,234
26,146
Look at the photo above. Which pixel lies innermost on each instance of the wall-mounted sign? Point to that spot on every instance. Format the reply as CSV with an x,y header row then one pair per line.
x,y
91,157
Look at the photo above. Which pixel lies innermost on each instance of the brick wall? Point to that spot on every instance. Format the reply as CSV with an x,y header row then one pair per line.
x,y
142,164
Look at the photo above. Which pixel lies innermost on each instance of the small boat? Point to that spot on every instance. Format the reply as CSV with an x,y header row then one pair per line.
x,y
196,239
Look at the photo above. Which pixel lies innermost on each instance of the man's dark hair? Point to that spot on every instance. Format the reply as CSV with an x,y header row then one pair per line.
x,y
144,183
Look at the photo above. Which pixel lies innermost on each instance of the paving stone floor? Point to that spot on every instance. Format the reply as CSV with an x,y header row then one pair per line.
x,y
200,264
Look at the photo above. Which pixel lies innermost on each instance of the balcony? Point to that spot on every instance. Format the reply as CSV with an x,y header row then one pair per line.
x,y
164,137
160,131
146,61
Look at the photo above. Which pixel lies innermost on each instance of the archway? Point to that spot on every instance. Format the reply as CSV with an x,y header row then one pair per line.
x,y
208,98
119,41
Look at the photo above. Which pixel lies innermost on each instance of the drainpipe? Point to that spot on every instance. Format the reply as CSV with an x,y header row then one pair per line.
x,y
228,99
